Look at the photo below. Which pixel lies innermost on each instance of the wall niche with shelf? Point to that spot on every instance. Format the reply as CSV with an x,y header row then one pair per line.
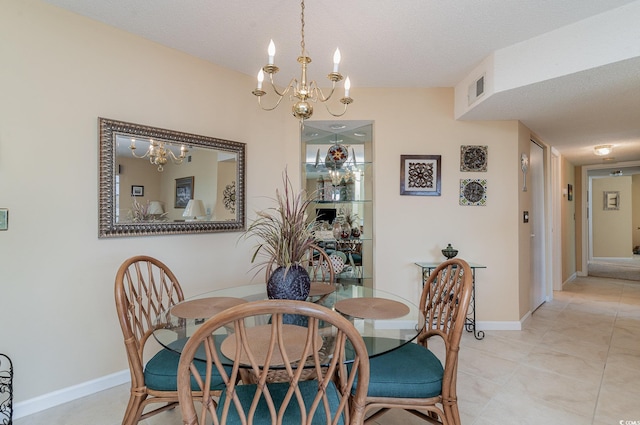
x,y
337,169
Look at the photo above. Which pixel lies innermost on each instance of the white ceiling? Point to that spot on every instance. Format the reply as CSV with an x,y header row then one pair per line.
x,y
414,43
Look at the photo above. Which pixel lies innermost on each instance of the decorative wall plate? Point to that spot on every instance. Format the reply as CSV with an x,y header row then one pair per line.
x,y
473,192
473,158
336,156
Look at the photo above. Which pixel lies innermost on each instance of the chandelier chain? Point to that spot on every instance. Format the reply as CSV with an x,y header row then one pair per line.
x,y
302,45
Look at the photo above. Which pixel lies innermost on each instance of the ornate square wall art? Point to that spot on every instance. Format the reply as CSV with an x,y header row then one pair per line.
x,y
473,192
473,158
420,175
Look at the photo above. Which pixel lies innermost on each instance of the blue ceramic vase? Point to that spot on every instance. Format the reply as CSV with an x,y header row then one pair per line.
x,y
289,284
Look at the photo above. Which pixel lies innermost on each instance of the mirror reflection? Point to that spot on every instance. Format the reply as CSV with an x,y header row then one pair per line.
x,y
156,181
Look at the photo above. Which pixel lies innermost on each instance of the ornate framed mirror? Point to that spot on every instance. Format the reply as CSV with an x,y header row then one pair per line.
x,y
155,181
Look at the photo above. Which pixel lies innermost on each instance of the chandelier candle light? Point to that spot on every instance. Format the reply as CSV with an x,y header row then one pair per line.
x,y
158,154
303,91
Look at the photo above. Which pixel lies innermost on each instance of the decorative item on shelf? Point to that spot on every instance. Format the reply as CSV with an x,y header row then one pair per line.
x,y
305,92
346,215
337,155
346,230
194,209
338,260
159,153
320,188
337,229
449,252
285,238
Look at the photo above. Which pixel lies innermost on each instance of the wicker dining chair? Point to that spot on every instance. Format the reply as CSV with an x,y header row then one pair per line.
x,y
412,377
145,288
294,349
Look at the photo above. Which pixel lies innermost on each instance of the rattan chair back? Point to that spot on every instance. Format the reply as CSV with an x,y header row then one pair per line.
x,y
444,304
327,339
144,288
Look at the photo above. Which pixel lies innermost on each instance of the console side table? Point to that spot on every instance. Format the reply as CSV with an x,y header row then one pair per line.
x,y
470,323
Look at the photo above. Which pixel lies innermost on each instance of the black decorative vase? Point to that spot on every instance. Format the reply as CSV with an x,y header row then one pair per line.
x,y
449,252
289,284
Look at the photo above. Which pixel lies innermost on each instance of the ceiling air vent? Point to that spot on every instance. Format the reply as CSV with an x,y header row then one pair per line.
x,y
476,89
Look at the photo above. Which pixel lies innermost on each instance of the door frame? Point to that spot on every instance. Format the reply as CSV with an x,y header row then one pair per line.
x,y
586,206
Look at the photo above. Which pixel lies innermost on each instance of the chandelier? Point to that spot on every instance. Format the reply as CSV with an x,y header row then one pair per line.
x,y
305,92
159,154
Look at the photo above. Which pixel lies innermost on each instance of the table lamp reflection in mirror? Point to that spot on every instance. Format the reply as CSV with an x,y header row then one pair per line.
x,y
194,210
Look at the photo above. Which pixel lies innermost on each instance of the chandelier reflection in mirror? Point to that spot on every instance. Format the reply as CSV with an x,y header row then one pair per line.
x,y
305,93
159,154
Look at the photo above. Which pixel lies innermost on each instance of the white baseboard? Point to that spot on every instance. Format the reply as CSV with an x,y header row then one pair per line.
x,y
64,395
499,326
572,277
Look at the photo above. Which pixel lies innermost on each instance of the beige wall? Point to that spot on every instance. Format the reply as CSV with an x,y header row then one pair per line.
x,y
65,71
611,228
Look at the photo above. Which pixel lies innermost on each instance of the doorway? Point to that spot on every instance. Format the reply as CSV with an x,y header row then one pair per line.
x,y
537,219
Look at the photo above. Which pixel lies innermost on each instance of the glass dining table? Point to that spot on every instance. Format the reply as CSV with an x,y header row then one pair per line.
x,y
384,320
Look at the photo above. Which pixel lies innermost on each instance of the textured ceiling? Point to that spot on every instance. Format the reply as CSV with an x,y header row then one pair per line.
x,y
408,43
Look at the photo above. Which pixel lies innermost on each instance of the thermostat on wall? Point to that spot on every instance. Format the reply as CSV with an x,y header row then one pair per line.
x,y
4,218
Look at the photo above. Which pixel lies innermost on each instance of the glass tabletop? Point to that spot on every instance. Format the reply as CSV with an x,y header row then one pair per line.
x,y
385,320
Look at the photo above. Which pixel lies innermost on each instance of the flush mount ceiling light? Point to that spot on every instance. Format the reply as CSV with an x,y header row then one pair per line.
x,y
602,150
305,92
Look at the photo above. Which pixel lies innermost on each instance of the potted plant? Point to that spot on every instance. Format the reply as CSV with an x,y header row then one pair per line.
x,y
285,238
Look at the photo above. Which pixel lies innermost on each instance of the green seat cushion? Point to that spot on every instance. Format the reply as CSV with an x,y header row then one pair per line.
x,y
308,389
411,371
161,372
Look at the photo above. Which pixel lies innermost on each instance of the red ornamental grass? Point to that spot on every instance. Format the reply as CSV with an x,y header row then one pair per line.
x,y
283,229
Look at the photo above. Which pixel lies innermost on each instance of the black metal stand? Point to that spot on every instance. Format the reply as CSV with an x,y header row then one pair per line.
x,y
6,390
470,322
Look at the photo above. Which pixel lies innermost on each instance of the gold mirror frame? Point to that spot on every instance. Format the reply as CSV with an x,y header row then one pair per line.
x,y
109,227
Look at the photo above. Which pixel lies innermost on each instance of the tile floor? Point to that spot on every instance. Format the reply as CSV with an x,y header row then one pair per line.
x,y
576,362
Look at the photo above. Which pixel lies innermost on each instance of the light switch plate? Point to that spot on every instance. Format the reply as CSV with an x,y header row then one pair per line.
x,y
4,218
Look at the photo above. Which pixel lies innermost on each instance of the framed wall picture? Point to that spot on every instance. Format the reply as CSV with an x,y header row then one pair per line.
x,y
184,191
473,192
137,190
611,200
420,175
569,192
474,158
